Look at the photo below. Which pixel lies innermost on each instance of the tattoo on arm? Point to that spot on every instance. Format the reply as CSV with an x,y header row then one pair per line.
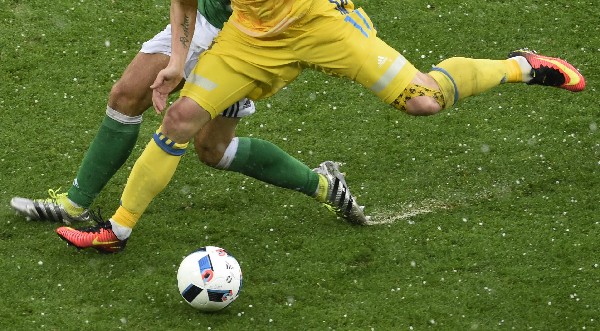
x,y
185,39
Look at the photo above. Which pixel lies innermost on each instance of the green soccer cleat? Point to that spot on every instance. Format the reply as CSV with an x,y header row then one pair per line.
x,y
551,71
56,208
339,199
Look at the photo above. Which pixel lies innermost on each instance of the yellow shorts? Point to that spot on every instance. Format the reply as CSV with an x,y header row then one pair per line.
x,y
333,38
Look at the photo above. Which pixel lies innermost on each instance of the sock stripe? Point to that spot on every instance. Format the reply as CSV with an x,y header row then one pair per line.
x,y
342,196
169,145
447,74
232,111
334,190
349,205
122,118
40,210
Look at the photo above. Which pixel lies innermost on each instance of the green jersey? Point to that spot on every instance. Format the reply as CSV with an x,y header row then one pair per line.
x,y
216,12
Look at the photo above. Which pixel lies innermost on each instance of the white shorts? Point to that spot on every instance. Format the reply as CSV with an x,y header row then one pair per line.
x,y
203,37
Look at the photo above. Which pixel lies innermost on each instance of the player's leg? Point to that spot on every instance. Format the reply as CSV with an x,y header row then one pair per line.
x,y
156,165
217,146
460,77
457,78
349,38
150,174
130,96
389,75
195,107
256,158
115,139
253,157
267,66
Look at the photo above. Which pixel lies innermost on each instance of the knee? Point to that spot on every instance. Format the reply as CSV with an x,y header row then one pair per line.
x,y
422,97
209,152
184,120
128,100
422,106
174,126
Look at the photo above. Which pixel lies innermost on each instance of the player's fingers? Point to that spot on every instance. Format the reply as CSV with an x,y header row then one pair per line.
x,y
158,82
158,101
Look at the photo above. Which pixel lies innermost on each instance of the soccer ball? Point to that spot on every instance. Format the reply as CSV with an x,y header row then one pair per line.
x,y
209,279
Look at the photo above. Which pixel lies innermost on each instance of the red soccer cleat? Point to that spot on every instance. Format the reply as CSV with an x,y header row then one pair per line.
x,y
551,71
100,237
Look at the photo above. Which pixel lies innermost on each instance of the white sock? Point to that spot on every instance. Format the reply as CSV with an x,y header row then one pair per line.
x,y
229,154
122,232
122,118
525,67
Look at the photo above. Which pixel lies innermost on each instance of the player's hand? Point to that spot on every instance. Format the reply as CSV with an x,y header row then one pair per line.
x,y
166,81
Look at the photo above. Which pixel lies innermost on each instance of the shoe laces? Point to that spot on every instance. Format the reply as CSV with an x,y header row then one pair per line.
x,y
54,195
96,216
331,208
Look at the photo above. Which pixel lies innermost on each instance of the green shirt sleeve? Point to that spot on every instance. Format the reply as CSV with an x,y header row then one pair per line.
x,y
216,12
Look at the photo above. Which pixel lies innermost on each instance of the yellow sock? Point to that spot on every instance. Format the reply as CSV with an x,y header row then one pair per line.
x,y
150,175
321,194
460,77
125,218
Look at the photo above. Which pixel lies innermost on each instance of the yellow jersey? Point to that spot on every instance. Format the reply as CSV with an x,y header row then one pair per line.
x,y
267,18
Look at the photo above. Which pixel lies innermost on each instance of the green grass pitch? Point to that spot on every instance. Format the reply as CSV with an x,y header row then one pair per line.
x,y
489,213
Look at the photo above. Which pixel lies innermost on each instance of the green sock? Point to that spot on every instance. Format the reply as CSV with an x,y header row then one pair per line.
x,y
107,153
264,161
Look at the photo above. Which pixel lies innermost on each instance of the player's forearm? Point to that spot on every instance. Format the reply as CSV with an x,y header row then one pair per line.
x,y
183,21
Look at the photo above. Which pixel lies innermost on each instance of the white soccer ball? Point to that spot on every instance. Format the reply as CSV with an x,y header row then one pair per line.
x,y
209,279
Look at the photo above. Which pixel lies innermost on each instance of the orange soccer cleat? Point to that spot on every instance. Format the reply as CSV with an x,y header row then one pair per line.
x,y
100,237
551,71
